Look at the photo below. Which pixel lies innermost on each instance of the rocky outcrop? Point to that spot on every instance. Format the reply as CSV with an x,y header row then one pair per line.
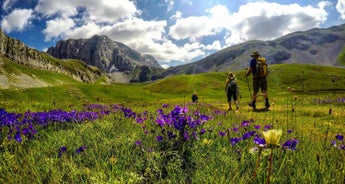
x,y
20,53
16,51
110,56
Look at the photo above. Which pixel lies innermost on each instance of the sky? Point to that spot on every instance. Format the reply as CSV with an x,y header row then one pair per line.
x,y
175,32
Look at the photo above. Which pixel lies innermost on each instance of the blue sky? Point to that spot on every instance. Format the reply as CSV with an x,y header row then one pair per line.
x,y
173,31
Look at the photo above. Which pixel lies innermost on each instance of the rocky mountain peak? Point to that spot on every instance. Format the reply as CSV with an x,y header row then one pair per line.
x,y
108,55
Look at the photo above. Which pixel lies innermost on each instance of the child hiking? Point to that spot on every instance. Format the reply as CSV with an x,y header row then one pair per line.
x,y
258,68
232,90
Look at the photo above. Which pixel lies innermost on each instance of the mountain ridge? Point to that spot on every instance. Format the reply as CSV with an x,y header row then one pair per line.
x,y
110,56
315,46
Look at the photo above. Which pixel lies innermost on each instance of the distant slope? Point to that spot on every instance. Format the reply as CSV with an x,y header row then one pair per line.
x,y
315,46
301,77
14,75
179,88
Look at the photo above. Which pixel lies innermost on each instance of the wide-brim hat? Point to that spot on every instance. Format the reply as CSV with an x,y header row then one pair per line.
x,y
255,53
231,75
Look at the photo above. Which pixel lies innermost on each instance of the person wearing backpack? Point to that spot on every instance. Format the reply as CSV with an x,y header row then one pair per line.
x,y
232,89
258,68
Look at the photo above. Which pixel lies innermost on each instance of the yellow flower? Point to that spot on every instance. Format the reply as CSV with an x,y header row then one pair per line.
x,y
206,141
113,160
272,137
328,123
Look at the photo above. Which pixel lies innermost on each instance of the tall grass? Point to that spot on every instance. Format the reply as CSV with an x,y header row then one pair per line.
x,y
130,146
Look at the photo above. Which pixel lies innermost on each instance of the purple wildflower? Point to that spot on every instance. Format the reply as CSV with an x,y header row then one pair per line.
x,y
259,141
63,148
171,135
235,140
195,135
339,137
290,144
160,122
247,135
185,135
80,149
267,127
245,123
257,127
289,131
17,137
235,129
138,143
222,134
159,138
202,131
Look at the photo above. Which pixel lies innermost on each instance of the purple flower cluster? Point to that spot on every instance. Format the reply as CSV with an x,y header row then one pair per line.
x,y
338,142
18,125
179,122
290,144
63,149
247,131
338,101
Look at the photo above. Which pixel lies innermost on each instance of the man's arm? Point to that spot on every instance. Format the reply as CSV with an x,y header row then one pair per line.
x,y
249,71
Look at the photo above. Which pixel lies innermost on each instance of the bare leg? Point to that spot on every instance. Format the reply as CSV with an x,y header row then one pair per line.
x,y
229,102
236,104
265,94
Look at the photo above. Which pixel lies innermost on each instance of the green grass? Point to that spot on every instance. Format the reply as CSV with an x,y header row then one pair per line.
x,y
111,155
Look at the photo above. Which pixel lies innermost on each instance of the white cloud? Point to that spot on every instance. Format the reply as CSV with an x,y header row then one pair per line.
x,y
179,38
110,11
171,4
50,8
17,20
190,27
341,8
194,27
104,11
272,20
57,27
7,4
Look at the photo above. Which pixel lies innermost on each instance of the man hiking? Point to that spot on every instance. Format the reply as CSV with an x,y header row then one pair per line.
x,y
258,68
232,90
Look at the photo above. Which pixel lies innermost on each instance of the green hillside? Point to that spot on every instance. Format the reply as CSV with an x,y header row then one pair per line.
x,y
301,77
54,72
65,92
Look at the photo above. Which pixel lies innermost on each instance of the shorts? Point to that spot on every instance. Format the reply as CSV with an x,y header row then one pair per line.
x,y
259,82
232,94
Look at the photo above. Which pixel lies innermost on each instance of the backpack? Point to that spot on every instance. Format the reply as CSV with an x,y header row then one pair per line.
x,y
261,67
232,86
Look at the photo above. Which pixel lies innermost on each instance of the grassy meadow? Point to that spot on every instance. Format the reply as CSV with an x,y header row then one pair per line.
x,y
153,133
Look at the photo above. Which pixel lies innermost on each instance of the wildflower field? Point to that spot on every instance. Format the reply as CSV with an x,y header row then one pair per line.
x,y
142,134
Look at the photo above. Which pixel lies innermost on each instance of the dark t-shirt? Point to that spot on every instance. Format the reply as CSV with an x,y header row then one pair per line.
x,y
253,65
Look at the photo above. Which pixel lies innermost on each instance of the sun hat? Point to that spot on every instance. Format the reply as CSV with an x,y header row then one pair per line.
x,y
231,75
255,53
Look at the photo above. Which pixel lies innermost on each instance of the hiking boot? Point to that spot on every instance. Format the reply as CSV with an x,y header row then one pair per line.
x,y
267,105
252,104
